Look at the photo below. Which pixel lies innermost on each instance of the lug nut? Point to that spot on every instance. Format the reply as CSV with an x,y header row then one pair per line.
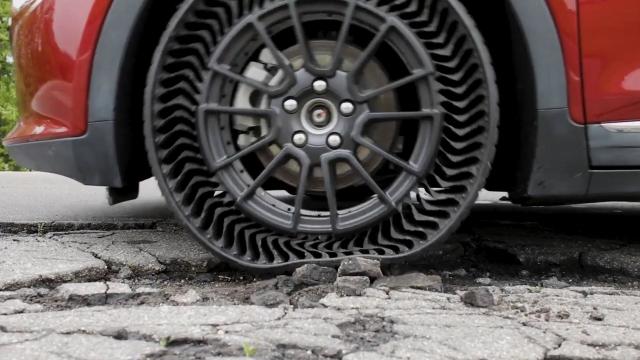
x,y
334,141
347,108
290,105
299,139
320,86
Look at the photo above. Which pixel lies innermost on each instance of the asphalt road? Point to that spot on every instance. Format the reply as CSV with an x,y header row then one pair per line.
x,y
39,197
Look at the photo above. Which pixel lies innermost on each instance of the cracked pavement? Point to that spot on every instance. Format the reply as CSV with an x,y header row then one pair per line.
x,y
562,283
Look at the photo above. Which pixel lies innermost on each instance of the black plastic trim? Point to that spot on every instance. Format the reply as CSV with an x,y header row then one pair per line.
x,y
614,185
90,159
559,165
561,169
613,149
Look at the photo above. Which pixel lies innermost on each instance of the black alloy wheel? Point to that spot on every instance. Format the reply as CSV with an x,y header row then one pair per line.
x,y
294,131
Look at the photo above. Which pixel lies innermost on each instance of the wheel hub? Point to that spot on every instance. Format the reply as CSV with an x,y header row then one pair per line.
x,y
332,99
319,116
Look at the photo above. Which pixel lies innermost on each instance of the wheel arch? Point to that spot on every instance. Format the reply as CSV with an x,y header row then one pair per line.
x,y
126,45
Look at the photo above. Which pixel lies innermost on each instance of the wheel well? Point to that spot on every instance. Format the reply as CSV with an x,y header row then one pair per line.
x,y
516,85
495,21
141,48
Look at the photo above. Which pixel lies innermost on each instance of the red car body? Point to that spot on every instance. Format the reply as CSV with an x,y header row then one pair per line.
x,y
57,40
78,61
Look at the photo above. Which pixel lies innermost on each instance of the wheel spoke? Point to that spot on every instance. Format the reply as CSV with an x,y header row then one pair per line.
x,y
276,163
257,145
342,37
427,114
329,174
305,170
214,108
225,70
406,166
368,53
310,62
360,124
281,60
355,165
417,75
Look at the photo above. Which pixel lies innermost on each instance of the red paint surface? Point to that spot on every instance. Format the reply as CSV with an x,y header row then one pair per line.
x,y
565,14
54,44
610,31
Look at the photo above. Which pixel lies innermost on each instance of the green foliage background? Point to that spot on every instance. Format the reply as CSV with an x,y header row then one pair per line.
x,y
8,111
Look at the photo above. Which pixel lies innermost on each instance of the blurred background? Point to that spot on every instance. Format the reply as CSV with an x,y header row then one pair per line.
x,y
8,111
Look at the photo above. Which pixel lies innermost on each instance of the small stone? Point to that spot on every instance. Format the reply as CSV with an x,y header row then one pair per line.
x,y
352,285
312,275
308,303
597,316
360,267
525,273
412,281
188,298
125,273
481,297
16,306
310,297
554,283
563,315
484,281
269,298
285,284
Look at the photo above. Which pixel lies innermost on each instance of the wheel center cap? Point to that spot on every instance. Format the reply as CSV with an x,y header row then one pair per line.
x,y
319,116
